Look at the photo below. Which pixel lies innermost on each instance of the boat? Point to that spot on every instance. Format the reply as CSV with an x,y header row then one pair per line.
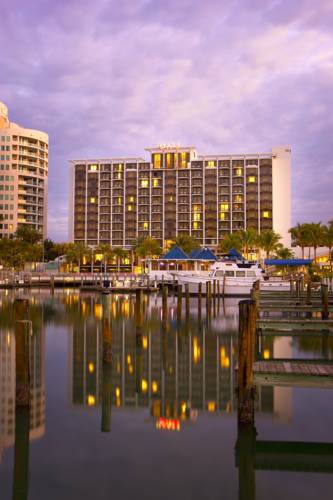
x,y
235,278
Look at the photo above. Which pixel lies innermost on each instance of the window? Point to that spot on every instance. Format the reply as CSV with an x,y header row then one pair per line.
x,y
230,273
224,207
92,200
238,198
119,176
157,160
183,162
92,168
251,179
240,274
266,214
131,198
155,183
222,216
211,163
195,225
196,216
130,208
239,171
145,225
168,160
144,183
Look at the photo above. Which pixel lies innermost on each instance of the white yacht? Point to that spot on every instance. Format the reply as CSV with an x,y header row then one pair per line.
x,y
235,278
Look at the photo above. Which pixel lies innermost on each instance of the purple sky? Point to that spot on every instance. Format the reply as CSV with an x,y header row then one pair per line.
x,y
109,77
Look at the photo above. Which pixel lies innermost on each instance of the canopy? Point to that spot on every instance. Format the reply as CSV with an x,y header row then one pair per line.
x,y
202,254
175,253
288,262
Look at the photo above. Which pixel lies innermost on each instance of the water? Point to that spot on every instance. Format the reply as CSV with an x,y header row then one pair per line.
x,y
173,426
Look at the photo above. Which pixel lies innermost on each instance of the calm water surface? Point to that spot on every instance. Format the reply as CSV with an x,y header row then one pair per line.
x,y
172,428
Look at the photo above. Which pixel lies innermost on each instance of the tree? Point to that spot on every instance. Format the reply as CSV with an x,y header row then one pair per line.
x,y
269,240
28,235
147,248
107,253
282,252
328,239
230,241
187,243
76,252
300,236
120,254
249,240
315,234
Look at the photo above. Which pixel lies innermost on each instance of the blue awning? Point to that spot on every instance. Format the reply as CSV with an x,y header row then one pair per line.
x,y
288,262
202,254
175,253
235,254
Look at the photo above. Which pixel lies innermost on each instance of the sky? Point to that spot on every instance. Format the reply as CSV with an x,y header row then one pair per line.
x,y
111,77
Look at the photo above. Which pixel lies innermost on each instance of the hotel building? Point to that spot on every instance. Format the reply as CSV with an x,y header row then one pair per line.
x,y
23,177
177,191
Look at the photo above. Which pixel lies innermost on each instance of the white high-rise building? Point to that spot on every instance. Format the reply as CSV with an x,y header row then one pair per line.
x,y
23,177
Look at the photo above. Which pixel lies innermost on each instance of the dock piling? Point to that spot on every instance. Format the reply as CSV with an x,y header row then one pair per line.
x,y
247,334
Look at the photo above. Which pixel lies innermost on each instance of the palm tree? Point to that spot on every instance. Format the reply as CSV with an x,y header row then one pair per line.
x,y
283,252
249,240
120,254
316,236
268,240
76,252
230,241
107,254
328,239
146,248
300,236
187,243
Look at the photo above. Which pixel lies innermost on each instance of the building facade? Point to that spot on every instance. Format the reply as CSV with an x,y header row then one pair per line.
x,y
177,191
23,177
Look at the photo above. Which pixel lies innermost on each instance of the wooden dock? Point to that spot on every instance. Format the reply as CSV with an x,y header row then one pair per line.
x,y
292,373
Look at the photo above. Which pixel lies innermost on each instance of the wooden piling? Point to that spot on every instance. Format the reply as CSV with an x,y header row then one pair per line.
x,y
52,284
308,292
23,330
179,302
214,289
107,341
106,397
21,453
164,303
246,463
255,294
247,334
187,301
324,301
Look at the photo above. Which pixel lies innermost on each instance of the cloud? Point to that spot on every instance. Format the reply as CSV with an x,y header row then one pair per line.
x,y
109,78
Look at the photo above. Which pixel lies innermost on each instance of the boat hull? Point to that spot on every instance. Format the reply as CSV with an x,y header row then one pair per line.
x,y
231,287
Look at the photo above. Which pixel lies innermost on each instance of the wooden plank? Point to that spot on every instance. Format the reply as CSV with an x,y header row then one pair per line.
x,y
293,374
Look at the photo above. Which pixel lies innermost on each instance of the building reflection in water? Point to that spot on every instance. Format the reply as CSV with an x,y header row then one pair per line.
x,y
176,373
7,386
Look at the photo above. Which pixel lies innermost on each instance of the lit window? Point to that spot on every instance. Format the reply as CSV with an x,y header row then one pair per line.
x,y
155,183
196,216
195,208
266,215
183,162
224,207
145,225
144,183
91,400
170,198
119,175
130,208
211,163
92,168
131,198
251,179
195,225
120,167
168,160
92,200
222,216
91,367
239,171
144,385
154,386
119,201
238,198
157,160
